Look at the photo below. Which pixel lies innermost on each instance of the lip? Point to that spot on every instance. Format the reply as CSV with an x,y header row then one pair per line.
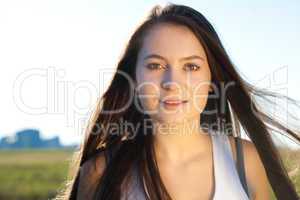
x,y
174,102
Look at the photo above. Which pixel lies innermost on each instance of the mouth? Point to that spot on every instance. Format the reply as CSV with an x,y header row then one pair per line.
x,y
174,102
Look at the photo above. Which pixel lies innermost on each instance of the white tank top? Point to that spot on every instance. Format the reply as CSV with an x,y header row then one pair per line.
x,y
227,182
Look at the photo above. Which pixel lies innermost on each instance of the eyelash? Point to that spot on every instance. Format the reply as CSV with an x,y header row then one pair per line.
x,y
196,66
151,64
155,64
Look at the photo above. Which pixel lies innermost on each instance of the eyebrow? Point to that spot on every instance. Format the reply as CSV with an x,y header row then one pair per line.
x,y
181,59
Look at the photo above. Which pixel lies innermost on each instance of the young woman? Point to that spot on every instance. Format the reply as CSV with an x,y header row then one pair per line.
x,y
185,104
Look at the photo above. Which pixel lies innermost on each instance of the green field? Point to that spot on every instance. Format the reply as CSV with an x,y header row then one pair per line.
x,y
32,174
38,174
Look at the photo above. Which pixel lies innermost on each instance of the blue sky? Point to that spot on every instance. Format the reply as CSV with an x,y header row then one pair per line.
x,y
73,40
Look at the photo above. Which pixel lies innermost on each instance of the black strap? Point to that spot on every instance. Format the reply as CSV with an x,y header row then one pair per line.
x,y
240,164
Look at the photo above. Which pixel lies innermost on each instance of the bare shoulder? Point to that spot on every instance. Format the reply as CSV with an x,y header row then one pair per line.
x,y
95,164
255,172
90,173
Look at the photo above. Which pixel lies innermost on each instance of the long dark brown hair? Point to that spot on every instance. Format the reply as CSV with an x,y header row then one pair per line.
x,y
247,105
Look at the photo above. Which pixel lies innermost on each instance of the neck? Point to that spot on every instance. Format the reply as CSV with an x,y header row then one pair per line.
x,y
176,142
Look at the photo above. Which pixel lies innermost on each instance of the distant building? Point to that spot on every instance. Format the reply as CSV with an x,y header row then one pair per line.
x,y
29,138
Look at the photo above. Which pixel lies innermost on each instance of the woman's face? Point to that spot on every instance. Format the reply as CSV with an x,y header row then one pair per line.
x,y
172,64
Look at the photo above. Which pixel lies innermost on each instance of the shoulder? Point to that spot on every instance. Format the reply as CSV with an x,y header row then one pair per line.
x,y
90,173
95,164
255,172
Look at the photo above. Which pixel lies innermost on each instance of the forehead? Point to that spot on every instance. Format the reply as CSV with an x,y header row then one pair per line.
x,y
173,40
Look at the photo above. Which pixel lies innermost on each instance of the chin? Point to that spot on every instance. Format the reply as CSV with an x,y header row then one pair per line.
x,y
169,118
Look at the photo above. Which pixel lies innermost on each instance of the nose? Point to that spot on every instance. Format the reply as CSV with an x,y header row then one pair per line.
x,y
170,85
170,80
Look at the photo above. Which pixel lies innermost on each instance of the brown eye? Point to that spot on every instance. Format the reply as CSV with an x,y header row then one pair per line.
x,y
191,67
154,66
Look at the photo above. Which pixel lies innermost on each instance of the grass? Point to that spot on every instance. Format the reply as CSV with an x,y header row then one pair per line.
x,y
291,160
38,174
32,174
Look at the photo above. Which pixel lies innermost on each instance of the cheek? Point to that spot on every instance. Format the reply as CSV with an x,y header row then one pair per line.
x,y
199,92
148,93
147,84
